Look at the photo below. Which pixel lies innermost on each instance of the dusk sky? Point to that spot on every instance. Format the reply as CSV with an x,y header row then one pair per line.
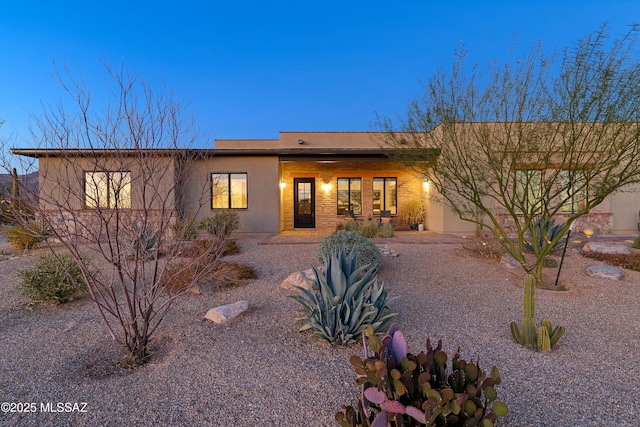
x,y
250,69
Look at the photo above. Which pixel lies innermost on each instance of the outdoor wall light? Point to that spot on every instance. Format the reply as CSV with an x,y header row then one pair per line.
x,y
426,186
283,184
326,187
300,141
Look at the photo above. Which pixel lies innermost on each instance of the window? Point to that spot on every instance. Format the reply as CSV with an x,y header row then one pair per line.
x,y
574,182
385,197
229,190
349,195
110,190
528,190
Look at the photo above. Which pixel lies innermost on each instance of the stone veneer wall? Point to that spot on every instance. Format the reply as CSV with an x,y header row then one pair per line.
x,y
409,187
599,222
87,225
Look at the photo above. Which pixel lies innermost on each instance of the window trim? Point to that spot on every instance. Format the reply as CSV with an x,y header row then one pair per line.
x,y
349,204
230,195
110,189
384,195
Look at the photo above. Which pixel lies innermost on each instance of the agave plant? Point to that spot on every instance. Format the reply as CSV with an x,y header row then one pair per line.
x,y
142,241
542,232
345,300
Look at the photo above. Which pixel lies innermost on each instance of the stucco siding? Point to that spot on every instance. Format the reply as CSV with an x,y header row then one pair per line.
x,y
263,209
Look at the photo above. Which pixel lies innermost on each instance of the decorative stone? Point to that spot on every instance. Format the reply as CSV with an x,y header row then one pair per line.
x,y
604,271
226,313
385,250
509,261
298,279
606,248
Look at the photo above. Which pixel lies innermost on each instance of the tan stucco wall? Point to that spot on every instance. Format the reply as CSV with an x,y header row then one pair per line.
x,y
62,180
310,140
625,206
263,210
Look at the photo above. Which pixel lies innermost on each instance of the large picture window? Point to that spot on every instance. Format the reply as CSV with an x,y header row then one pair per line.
x,y
573,180
385,195
229,190
349,196
109,190
528,190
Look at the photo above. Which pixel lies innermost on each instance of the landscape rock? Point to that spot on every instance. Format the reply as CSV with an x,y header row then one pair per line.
x,y
298,279
604,271
387,251
606,248
509,261
226,313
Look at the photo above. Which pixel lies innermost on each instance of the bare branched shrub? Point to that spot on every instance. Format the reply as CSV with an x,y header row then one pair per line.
x,y
112,173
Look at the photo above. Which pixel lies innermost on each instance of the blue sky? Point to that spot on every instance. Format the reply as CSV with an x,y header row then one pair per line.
x,y
250,69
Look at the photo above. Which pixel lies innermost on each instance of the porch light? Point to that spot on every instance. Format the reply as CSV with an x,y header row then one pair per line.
x,y
282,184
326,187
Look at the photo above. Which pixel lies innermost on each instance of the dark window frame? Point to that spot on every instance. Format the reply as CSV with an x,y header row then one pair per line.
x,y
228,190
349,203
386,206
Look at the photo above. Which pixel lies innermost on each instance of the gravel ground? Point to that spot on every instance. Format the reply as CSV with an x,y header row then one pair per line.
x,y
259,371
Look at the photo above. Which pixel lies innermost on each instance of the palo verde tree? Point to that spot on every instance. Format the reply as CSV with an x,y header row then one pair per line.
x,y
111,171
541,137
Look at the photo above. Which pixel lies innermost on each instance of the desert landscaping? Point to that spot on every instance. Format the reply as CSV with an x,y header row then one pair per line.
x,y
258,370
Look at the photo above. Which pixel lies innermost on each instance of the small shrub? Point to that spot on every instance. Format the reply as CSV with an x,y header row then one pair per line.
x,y
346,300
182,274
636,243
25,237
368,229
413,212
184,230
484,246
385,230
52,279
366,251
350,225
403,389
221,224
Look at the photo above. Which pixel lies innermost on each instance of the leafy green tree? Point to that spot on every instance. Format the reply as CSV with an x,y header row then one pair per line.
x,y
543,136
539,136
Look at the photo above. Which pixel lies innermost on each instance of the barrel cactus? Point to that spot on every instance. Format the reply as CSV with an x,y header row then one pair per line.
x,y
345,300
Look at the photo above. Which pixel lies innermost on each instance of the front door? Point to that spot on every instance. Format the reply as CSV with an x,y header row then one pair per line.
x,y
304,214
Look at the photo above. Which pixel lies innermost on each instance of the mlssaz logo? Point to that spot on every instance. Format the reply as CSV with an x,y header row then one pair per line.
x,y
63,407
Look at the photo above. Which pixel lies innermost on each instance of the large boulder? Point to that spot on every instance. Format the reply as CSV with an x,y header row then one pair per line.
x,y
606,248
226,313
604,271
299,278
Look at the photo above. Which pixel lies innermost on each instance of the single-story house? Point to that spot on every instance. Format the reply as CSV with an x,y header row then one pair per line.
x,y
300,181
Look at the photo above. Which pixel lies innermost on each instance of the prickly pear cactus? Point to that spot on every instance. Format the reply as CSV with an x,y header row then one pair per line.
x,y
403,389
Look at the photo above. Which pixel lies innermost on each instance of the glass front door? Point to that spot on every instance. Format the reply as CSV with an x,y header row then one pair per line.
x,y
304,215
